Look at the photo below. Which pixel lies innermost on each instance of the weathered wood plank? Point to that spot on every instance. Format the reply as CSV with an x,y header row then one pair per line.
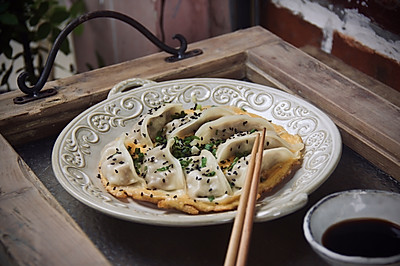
x,y
373,85
370,124
35,229
223,56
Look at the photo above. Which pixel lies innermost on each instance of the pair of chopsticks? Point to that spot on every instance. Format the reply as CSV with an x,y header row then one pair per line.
x,y
241,232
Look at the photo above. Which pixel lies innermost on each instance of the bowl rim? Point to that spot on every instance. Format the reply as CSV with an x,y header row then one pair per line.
x,y
325,252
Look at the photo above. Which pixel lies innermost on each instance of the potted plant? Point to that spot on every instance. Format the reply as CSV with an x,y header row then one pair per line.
x,y
33,24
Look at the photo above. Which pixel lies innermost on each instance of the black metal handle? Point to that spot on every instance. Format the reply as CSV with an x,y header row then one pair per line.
x,y
34,91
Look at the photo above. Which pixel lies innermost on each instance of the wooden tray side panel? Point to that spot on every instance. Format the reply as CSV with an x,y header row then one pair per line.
x,y
370,124
35,229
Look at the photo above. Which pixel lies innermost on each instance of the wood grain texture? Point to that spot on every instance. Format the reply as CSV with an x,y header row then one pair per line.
x,y
370,123
35,229
373,85
223,56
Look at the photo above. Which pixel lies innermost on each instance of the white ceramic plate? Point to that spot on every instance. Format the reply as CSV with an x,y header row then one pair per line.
x,y
76,152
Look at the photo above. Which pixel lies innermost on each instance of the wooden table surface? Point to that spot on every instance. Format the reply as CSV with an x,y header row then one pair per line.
x,y
41,224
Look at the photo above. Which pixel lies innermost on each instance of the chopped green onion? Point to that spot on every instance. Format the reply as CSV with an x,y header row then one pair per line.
x,y
185,163
233,163
182,114
165,168
210,174
209,146
203,162
137,158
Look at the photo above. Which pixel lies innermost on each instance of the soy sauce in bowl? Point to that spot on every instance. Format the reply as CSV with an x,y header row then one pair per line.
x,y
365,237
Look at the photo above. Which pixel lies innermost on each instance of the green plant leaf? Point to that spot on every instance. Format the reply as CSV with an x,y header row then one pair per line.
x,y
65,44
8,19
43,31
79,30
43,8
4,80
77,8
65,47
34,20
7,50
59,15
54,34
39,13
4,6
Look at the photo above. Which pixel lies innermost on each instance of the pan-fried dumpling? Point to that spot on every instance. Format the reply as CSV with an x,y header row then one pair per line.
x,y
195,160
240,144
236,175
146,129
161,170
204,177
227,126
116,163
188,125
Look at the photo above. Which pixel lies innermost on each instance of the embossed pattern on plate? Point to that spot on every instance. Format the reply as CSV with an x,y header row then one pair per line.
x,y
77,150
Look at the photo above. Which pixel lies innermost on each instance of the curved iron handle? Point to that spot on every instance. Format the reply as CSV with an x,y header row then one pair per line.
x,y
178,53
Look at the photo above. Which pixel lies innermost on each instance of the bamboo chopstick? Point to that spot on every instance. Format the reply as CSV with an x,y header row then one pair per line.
x,y
243,224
